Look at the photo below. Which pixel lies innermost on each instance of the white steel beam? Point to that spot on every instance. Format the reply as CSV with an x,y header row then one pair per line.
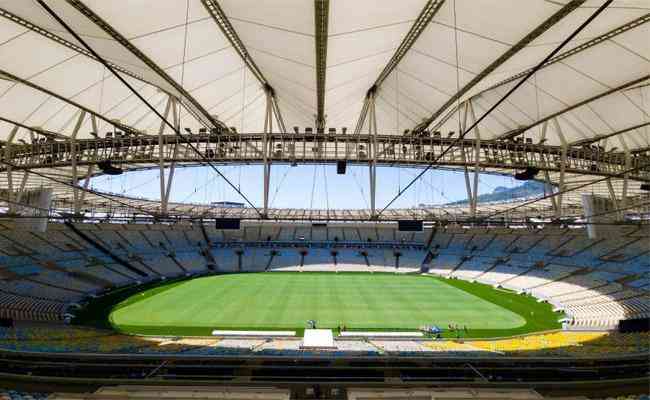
x,y
468,185
89,174
565,10
477,160
372,150
7,155
161,156
268,128
73,154
612,196
626,177
563,161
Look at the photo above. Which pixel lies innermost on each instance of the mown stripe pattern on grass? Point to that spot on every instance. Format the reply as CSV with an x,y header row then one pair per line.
x,y
355,300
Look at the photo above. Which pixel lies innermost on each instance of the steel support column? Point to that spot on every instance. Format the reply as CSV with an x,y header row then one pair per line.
x,y
477,159
161,157
547,176
612,196
7,156
93,122
468,186
170,178
626,177
73,154
563,162
175,111
372,155
268,128
23,184
89,174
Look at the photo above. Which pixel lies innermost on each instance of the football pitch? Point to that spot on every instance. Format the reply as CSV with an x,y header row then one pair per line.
x,y
285,300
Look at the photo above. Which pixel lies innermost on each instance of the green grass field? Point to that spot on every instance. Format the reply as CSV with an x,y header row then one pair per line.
x,y
356,300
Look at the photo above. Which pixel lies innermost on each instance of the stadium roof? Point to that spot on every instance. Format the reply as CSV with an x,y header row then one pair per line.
x,y
426,64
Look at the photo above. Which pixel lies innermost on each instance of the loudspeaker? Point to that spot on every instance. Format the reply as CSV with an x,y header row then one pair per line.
x,y
227,223
109,168
340,167
410,226
634,325
528,174
6,323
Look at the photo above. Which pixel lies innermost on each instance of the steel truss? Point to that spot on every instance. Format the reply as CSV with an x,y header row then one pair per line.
x,y
190,103
321,20
567,9
128,209
387,150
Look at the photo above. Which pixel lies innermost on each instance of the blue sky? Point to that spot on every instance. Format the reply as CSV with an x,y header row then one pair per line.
x,y
304,186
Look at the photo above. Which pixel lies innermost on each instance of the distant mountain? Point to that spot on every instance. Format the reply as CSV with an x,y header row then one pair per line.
x,y
500,193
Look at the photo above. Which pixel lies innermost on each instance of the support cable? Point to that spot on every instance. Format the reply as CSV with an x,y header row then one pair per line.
x,y
561,192
501,100
139,96
277,188
222,21
360,187
20,204
617,210
422,21
514,49
327,195
105,250
75,186
313,187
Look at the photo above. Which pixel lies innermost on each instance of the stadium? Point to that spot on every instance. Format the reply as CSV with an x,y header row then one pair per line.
x,y
328,199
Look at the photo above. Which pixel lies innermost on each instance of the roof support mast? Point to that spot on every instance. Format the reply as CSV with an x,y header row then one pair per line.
x,y
185,97
529,38
175,128
272,107
608,92
468,186
165,185
7,155
581,47
477,159
268,128
11,77
604,38
221,20
420,24
321,19
63,42
545,26
369,110
75,172
372,164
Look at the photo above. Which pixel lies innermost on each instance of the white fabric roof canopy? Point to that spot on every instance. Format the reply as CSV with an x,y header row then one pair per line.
x,y
190,52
